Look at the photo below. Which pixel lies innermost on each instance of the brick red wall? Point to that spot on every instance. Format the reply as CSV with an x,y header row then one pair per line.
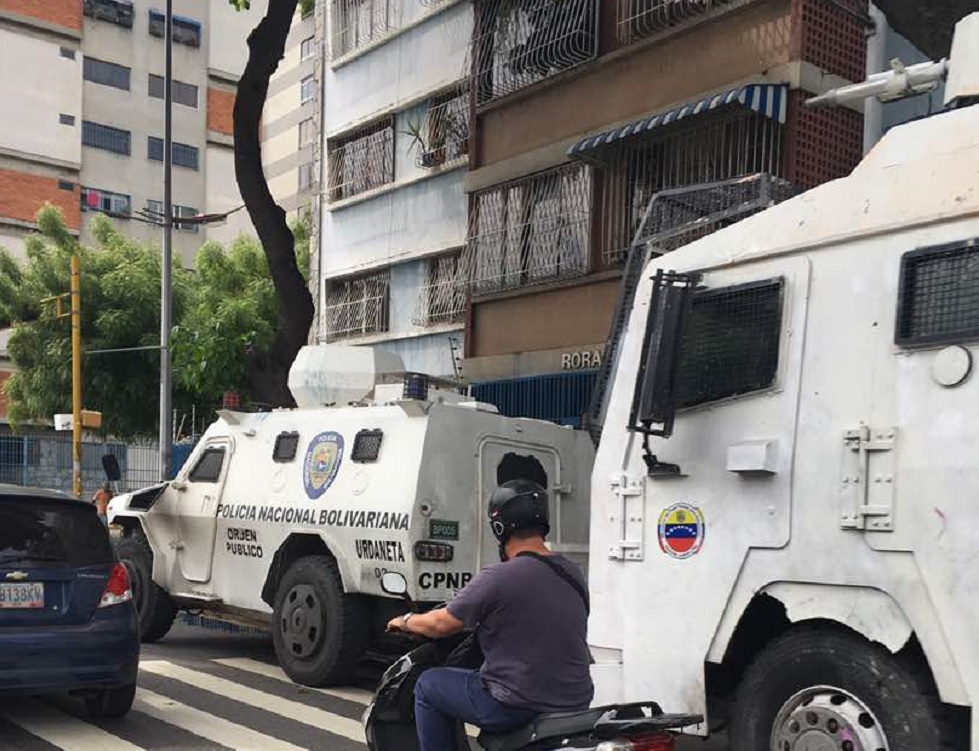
x,y
22,194
831,38
220,110
823,144
67,13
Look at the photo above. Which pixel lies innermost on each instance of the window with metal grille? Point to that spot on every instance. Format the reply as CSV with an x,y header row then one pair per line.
x,y
307,132
64,119
307,89
444,134
708,149
938,299
115,204
66,185
208,467
367,445
105,73
533,230
517,43
357,306
185,30
183,93
639,19
68,52
155,209
286,446
357,23
307,175
105,137
307,48
119,12
183,154
443,298
362,160
732,341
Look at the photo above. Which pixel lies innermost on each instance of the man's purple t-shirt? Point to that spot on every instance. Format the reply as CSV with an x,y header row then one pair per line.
x,y
533,629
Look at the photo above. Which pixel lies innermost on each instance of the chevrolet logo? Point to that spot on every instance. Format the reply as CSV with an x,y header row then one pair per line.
x,y
17,575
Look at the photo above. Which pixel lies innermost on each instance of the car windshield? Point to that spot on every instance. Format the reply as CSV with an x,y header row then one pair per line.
x,y
38,531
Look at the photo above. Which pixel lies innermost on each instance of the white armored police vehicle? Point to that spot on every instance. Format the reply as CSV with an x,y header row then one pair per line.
x,y
785,506
289,518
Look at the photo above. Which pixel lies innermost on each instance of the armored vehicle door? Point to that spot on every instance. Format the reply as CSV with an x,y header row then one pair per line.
x,y
197,507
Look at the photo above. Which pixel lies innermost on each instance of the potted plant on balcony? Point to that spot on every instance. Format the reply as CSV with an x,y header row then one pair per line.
x,y
431,154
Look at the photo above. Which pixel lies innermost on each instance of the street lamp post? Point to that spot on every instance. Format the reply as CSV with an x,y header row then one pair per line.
x,y
166,374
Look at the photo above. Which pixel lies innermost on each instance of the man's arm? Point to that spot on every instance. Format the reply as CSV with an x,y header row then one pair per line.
x,y
435,624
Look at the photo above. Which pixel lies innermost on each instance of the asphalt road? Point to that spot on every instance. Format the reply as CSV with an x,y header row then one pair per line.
x,y
203,690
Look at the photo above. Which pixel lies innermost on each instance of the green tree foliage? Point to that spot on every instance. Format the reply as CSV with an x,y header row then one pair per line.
x,y
224,310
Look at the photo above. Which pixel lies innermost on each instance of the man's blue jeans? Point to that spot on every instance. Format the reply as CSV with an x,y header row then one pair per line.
x,y
445,695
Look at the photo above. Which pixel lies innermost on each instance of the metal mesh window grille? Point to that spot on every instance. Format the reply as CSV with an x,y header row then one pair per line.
x,y
118,12
357,306
639,19
517,43
367,445
357,23
105,73
530,231
445,129
443,298
939,297
106,137
94,199
731,345
717,149
183,93
362,160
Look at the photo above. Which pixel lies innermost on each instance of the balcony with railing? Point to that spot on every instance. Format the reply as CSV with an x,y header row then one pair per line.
x,y
443,298
641,19
517,43
361,161
442,134
530,231
356,306
359,23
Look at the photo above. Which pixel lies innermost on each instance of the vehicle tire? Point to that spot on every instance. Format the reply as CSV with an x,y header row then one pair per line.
x,y
319,632
154,607
109,703
817,688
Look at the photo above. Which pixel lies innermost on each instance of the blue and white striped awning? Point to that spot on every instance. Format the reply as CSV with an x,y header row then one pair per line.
x,y
770,100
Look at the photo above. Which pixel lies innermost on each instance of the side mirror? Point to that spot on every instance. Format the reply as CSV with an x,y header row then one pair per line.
x,y
394,583
111,466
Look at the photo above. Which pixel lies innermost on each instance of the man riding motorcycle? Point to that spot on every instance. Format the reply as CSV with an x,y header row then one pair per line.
x,y
531,615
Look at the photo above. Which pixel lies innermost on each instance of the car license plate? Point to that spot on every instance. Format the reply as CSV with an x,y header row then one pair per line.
x,y
22,596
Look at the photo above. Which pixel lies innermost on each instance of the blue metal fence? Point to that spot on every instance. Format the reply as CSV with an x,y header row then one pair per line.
x,y
562,397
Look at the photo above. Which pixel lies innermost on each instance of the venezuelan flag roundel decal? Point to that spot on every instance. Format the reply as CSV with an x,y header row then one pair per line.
x,y
681,530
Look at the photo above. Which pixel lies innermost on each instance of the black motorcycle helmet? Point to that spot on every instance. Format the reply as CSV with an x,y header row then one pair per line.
x,y
518,505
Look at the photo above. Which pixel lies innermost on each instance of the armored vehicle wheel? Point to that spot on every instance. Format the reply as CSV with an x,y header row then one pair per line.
x,y
153,605
319,632
821,690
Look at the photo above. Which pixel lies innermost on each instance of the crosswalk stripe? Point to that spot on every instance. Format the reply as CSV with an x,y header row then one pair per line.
x,y
317,718
205,725
357,695
65,731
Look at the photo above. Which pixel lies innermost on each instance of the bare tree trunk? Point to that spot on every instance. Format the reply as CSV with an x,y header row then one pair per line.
x,y
266,47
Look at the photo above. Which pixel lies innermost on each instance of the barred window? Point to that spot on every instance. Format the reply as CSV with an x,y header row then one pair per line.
x,y
66,119
307,89
119,12
362,160
443,298
185,30
105,73
183,154
639,19
307,132
106,137
307,48
357,23
307,176
445,133
939,295
155,209
731,346
357,306
183,93
533,230
517,43
96,199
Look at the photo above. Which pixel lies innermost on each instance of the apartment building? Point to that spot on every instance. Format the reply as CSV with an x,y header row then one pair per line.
x,y
394,214
593,119
82,125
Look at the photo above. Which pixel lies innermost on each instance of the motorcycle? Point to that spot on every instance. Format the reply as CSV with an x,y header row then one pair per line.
x,y
389,721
